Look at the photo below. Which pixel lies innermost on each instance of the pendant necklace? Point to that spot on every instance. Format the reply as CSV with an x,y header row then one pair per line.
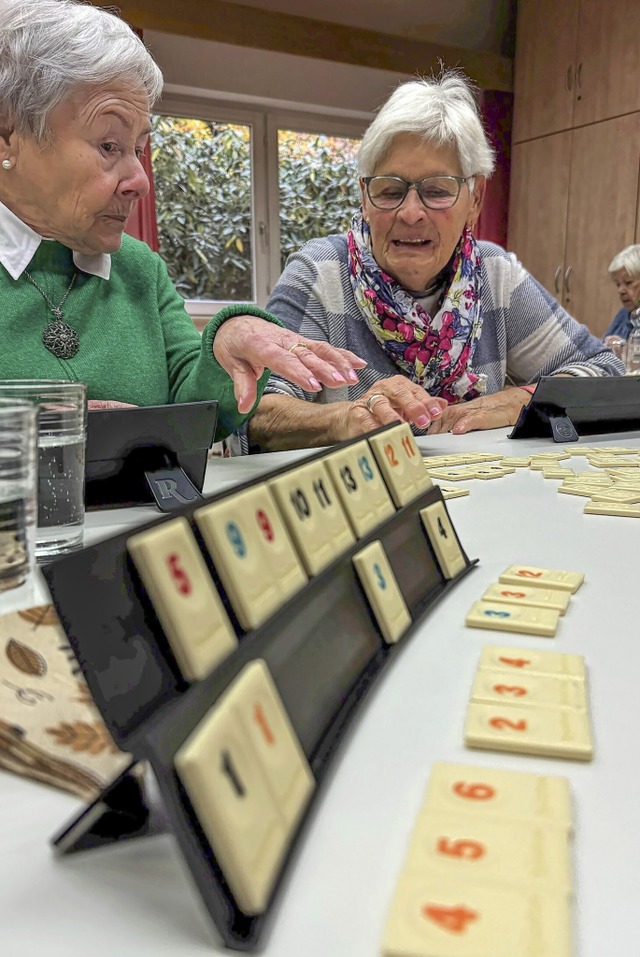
x,y
58,337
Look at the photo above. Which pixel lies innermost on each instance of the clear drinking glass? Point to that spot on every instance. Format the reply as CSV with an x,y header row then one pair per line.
x,y
18,471
62,436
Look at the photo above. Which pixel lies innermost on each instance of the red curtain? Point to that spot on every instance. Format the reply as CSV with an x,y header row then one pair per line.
x,y
496,107
142,222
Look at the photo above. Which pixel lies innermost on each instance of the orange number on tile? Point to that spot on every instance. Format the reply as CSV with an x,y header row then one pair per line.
x,y
470,850
178,574
476,792
515,690
501,723
265,525
513,594
515,662
527,573
391,455
453,919
263,724
408,446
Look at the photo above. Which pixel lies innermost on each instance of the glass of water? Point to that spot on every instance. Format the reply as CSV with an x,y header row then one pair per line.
x,y
62,436
18,471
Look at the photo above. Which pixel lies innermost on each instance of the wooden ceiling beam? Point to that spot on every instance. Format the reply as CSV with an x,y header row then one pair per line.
x,y
247,26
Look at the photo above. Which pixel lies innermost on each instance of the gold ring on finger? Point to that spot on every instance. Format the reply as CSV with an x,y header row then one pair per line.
x,y
297,345
372,399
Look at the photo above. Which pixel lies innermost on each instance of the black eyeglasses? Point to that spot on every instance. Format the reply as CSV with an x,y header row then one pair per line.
x,y
435,192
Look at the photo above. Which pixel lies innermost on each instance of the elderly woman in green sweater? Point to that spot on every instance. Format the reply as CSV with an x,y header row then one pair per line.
x,y
78,300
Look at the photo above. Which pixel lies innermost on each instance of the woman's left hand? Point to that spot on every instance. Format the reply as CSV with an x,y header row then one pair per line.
x,y
246,345
487,412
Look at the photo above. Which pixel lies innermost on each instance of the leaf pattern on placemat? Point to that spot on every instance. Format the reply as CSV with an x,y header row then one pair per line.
x,y
82,736
40,615
84,695
25,659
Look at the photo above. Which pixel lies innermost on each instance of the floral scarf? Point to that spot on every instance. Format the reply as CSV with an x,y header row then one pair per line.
x,y
433,351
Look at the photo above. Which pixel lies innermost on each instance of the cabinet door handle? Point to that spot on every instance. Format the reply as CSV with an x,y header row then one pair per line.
x,y
555,280
567,273
569,77
579,76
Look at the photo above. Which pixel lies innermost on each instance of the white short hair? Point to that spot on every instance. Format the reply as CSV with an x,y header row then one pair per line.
x,y
443,111
51,48
629,259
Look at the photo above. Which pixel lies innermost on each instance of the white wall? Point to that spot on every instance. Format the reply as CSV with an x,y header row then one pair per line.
x,y
240,74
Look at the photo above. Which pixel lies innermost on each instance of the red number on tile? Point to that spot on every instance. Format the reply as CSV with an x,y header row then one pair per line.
x,y
453,919
265,525
513,594
476,792
515,690
263,724
470,850
515,662
408,446
178,574
501,723
391,455
527,573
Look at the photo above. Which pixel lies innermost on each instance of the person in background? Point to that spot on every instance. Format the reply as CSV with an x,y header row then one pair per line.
x,y
455,331
78,300
624,269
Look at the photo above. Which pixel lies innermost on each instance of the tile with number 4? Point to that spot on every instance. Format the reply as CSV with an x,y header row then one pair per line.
x,y
443,538
517,661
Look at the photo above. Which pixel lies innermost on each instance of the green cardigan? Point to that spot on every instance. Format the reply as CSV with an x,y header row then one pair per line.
x,y
137,342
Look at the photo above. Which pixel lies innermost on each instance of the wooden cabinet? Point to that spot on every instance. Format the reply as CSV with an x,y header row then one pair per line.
x,y
576,63
573,206
576,154
546,44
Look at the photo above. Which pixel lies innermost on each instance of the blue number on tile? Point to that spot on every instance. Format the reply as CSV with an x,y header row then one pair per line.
x,y
380,579
365,468
492,613
236,540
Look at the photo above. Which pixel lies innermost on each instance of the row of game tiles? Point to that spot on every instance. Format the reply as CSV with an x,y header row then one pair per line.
x,y
190,609
599,457
545,715
267,540
488,868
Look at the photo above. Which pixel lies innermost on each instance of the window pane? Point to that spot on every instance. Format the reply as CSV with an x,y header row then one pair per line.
x,y
319,190
202,179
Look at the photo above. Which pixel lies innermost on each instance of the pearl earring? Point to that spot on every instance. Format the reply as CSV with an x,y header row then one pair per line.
x,y
7,164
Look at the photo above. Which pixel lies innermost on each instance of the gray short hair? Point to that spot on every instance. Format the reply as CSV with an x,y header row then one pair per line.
x,y
51,48
443,110
629,259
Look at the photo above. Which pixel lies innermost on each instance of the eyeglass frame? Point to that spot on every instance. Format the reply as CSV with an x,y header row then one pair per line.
x,y
460,180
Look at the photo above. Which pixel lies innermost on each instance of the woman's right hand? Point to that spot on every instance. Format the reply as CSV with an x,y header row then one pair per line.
x,y
389,400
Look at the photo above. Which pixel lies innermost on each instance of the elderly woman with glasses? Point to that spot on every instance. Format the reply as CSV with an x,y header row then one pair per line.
x,y
624,270
78,300
455,332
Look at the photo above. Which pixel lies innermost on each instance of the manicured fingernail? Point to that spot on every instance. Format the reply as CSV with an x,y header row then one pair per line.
x,y
315,385
423,421
337,377
435,411
352,376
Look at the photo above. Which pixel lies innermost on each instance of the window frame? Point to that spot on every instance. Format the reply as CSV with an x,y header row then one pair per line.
x,y
265,122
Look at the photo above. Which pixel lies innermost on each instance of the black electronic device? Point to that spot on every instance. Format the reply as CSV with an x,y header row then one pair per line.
x,y
148,454
566,407
322,648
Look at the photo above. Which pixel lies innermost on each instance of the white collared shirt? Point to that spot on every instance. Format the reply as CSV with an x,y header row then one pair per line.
x,y
19,242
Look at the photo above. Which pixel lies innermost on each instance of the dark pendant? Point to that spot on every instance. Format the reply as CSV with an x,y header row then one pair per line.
x,y
61,340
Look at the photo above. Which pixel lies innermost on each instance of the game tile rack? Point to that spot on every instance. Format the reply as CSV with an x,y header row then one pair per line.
x,y
230,645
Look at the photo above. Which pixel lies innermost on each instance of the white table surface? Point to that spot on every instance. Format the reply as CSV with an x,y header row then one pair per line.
x,y
137,898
